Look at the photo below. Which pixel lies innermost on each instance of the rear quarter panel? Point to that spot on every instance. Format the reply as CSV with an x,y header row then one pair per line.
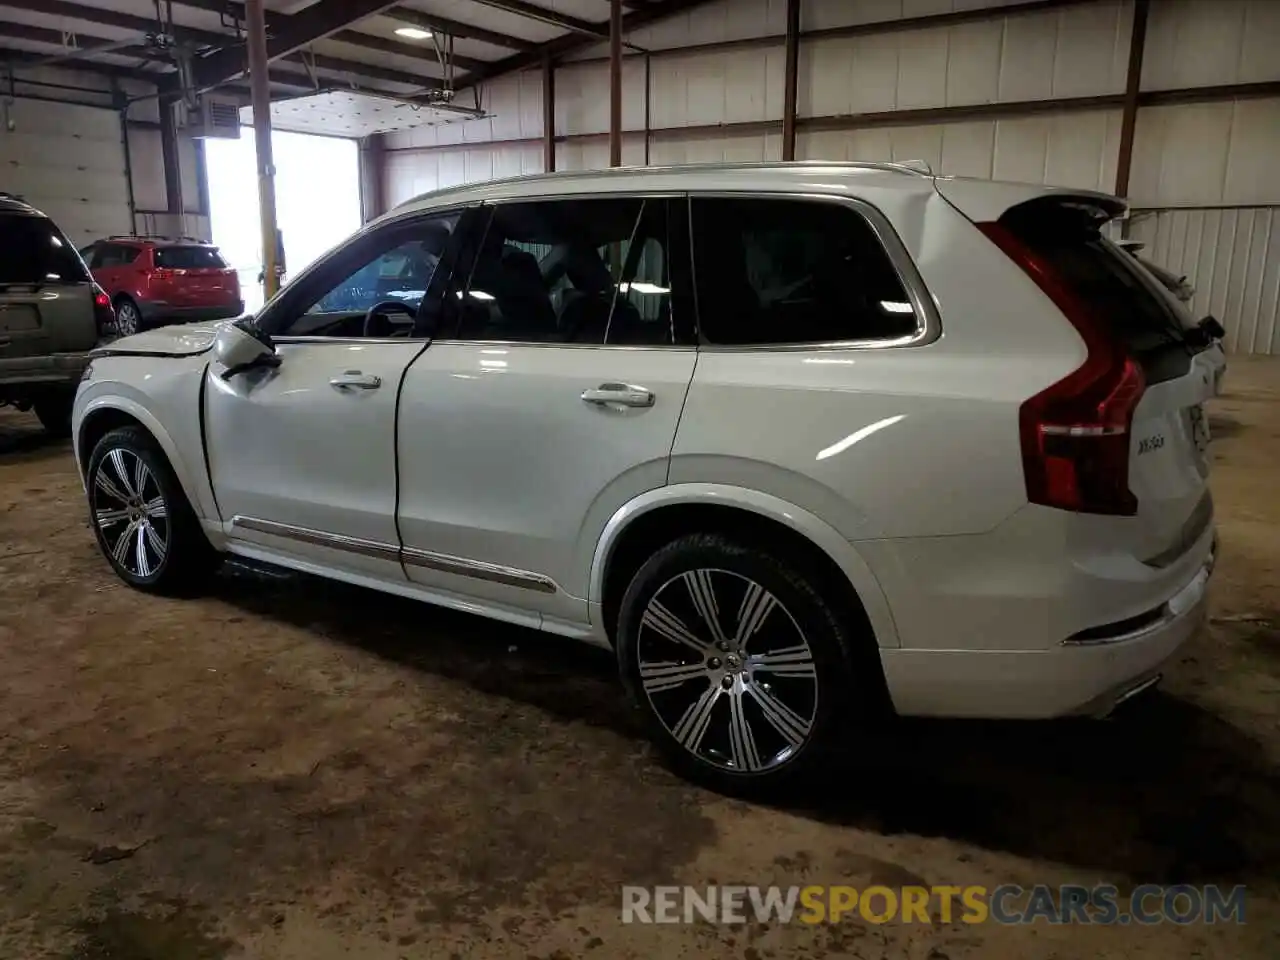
x,y
891,442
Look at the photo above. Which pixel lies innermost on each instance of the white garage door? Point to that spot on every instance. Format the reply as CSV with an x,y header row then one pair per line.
x,y
68,161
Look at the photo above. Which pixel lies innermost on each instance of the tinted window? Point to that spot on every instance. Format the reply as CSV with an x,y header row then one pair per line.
x,y
33,250
793,271
189,258
114,255
572,271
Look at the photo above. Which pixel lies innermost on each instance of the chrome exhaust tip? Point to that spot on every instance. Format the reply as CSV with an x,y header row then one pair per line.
x,y
1131,693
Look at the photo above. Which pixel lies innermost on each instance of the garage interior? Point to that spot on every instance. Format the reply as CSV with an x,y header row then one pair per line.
x,y
290,769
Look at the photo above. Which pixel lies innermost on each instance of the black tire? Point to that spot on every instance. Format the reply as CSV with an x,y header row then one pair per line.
x,y
777,749
123,304
54,411
132,511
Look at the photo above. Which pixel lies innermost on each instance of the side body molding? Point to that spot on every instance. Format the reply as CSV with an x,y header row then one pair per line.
x,y
843,553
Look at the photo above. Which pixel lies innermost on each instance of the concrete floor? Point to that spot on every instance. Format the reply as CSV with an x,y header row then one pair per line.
x,y
291,769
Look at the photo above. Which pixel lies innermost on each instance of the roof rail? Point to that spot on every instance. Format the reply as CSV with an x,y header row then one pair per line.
x,y
157,236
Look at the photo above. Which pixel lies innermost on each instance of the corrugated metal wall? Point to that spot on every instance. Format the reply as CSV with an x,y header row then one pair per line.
x,y
68,158
1203,154
1233,258
68,161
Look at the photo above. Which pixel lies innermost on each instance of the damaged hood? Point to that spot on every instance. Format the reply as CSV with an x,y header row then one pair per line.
x,y
183,340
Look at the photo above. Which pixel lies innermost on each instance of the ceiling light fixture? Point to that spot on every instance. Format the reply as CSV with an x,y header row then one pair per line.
x,y
413,33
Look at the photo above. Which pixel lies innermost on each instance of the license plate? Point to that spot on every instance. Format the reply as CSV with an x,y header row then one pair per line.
x,y
16,318
1199,426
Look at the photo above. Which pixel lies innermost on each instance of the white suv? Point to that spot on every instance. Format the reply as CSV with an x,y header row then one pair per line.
x,y
793,439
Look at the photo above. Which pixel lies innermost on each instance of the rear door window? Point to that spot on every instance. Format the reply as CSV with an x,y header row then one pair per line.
x,y
114,255
189,258
588,270
794,271
34,251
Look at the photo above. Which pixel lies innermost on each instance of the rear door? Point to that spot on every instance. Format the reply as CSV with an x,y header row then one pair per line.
x,y
1168,459
106,265
46,299
193,276
550,401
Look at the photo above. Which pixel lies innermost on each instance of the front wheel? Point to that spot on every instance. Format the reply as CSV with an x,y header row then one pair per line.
x,y
737,661
143,523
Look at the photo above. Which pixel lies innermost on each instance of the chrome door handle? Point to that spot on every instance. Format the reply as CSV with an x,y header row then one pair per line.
x,y
621,393
356,380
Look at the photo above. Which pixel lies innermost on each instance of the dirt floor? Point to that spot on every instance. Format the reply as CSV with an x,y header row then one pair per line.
x,y
296,770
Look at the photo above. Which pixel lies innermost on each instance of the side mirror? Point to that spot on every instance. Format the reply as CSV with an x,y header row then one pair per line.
x,y
241,346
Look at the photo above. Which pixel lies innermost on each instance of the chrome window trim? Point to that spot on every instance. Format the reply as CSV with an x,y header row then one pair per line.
x,y
666,348
928,322
305,338
444,563
611,194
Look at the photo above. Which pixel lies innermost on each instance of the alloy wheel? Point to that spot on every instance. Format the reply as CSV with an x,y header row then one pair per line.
x,y
727,670
131,513
126,319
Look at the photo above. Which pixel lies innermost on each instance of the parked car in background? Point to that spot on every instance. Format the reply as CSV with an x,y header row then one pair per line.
x,y
157,280
796,441
1207,333
51,315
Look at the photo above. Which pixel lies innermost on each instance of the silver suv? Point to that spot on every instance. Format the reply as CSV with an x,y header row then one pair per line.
x,y
51,315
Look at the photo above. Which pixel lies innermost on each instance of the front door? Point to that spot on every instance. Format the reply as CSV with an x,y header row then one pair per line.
x,y
303,456
552,401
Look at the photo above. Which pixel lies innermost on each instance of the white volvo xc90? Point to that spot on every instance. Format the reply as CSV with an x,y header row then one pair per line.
x,y
793,439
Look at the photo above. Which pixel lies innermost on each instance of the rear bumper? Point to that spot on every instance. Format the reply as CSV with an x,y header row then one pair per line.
x,y
1070,678
157,312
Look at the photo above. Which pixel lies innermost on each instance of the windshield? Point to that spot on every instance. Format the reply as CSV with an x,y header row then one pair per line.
x,y
34,251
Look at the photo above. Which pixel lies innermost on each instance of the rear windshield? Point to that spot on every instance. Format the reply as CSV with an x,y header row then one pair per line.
x,y
1113,284
34,251
189,258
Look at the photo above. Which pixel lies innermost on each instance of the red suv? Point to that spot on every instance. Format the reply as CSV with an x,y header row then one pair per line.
x,y
156,280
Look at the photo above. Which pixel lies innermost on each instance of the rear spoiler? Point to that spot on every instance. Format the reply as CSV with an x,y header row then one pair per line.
x,y
983,201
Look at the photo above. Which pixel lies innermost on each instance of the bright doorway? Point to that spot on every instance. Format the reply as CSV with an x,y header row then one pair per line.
x,y
317,200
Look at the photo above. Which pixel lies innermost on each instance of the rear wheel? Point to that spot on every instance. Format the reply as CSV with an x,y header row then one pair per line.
x,y
143,523
737,661
54,411
128,317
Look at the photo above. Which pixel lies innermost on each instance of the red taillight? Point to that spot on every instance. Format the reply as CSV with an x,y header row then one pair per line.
x,y
104,315
1075,433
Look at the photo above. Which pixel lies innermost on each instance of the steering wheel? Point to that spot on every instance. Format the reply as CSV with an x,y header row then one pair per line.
x,y
379,311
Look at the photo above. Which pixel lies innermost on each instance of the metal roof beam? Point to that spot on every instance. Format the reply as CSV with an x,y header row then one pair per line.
x,y
289,34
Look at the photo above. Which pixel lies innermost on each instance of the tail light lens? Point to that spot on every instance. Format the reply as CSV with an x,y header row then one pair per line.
x,y
104,315
1075,434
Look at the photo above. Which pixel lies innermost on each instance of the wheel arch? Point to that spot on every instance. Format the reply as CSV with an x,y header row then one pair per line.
x,y
656,517
101,415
